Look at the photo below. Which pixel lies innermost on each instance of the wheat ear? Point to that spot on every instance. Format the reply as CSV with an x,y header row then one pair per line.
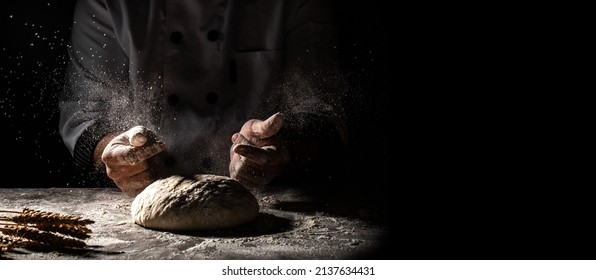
x,y
35,216
9,242
42,237
77,231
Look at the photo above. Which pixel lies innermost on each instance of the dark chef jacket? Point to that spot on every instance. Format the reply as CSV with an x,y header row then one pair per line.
x,y
194,71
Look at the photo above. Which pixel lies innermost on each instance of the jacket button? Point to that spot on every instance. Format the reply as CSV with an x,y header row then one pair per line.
x,y
213,35
212,98
173,100
176,37
169,161
207,163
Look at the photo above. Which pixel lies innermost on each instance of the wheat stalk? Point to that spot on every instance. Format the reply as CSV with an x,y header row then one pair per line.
x,y
31,216
8,242
76,231
42,237
42,229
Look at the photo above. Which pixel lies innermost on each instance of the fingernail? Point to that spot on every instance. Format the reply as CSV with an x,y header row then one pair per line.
x,y
239,149
138,139
234,137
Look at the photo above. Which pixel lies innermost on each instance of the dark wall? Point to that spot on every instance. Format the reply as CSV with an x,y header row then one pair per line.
x,y
33,57
366,36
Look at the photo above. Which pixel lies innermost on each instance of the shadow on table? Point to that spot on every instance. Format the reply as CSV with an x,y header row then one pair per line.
x,y
344,201
264,224
87,252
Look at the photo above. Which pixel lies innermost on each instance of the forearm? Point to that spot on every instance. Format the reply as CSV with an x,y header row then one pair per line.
x,y
92,85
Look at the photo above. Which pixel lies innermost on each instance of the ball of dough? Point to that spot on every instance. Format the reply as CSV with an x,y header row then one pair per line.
x,y
205,202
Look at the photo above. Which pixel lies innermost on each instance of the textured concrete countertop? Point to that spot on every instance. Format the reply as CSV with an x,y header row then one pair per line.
x,y
290,225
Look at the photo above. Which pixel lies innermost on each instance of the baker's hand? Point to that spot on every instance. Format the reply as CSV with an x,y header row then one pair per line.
x,y
257,154
125,158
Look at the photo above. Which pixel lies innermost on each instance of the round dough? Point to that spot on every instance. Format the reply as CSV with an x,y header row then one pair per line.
x,y
205,202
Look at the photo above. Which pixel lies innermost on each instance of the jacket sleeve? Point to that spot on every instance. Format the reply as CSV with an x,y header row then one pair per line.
x,y
96,82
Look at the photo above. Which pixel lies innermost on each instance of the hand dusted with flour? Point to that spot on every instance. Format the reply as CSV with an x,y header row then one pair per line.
x,y
126,158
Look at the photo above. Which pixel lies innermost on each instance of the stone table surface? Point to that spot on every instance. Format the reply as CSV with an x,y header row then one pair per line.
x,y
290,225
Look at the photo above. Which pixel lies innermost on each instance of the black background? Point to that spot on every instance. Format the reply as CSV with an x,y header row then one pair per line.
x,y
33,55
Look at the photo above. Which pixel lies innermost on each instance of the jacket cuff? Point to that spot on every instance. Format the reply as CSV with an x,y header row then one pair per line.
x,y
85,147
